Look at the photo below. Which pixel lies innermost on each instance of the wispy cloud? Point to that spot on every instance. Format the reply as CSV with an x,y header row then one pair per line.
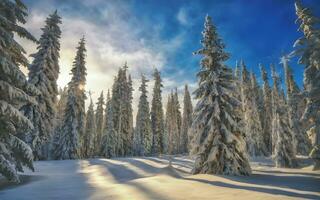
x,y
113,37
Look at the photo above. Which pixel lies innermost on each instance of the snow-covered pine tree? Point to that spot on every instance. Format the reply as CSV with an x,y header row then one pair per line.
x,y
60,108
251,117
108,146
115,104
157,118
122,112
178,117
167,126
275,97
100,122
90,132
301,141
43,74
73,126
267,110
308,48
171,125
186,121
217,143
142,135
255,120
14,91
129,114
284,153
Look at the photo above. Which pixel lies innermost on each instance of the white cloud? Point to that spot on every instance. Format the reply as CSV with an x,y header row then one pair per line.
x,y
182,16
110,41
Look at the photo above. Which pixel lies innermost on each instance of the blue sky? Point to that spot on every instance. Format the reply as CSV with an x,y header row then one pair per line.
x,y
164,34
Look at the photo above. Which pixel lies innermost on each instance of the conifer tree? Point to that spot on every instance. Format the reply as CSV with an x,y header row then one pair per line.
x,y
142,135
129,114
108,146
178,119
186,121
60,108
43,74
90,131
284,153
121,104
217,143
255,120
251,117
99,123
295,100
308,48
267,110
14,91
73,126
171,125
157,118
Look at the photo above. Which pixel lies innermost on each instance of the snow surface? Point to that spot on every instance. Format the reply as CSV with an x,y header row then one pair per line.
x,y
152,178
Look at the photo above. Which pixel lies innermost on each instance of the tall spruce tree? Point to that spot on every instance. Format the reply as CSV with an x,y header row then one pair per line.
x,y
284,153
108,146
129,114
14,91
252,126
256,118
90,132
295,100
178,117
121,104
157,118
142,135
73,126
308,48
171,125
43,74
217,143
60,108
100,122
186,121
267,110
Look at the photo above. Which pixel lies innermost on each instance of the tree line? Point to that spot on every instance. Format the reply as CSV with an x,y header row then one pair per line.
x,y
234,117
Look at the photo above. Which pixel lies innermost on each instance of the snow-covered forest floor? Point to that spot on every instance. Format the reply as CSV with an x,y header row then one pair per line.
x,y
152,178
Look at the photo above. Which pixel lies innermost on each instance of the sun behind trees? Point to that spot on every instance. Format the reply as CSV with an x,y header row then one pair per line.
x,y
235,118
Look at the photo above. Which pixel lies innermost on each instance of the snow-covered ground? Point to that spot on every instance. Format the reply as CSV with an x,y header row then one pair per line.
x,y
151,178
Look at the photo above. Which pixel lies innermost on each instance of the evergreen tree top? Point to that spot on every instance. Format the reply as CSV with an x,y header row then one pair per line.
x,y
143,87
101,99
264,74
212,46
79,70
245,73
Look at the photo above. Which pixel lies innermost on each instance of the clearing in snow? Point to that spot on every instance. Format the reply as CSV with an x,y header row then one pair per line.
x,y
153,178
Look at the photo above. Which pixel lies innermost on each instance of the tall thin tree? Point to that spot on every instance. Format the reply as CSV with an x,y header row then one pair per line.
x,y
43,74
72,130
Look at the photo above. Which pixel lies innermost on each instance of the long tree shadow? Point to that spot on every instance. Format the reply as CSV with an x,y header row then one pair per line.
x,y
124,175
119,172
256,189
166,162
286,172
302,183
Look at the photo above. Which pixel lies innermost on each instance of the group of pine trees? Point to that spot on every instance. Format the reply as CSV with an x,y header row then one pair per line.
x,y
234,115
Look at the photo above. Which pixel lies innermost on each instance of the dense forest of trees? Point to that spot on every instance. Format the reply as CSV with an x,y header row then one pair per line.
x,y
234,118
